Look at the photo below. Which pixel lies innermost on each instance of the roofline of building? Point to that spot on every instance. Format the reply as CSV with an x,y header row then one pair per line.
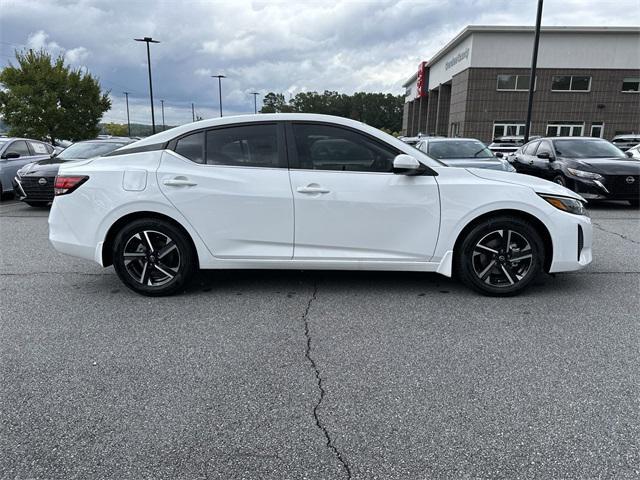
x,y
468,30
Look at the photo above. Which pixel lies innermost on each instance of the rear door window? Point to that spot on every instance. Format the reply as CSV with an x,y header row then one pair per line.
x,y
38,148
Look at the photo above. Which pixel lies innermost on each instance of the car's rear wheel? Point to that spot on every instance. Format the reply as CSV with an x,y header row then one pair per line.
x,y
153,257
500,257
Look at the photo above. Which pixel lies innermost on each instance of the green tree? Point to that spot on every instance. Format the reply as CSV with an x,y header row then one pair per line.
x,y
275,103
44,98
116,129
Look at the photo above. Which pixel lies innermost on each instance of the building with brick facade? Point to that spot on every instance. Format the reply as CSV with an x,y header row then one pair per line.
x,y
587,83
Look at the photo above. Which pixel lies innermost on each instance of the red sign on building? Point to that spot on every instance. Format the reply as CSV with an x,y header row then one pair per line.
x,y
422,79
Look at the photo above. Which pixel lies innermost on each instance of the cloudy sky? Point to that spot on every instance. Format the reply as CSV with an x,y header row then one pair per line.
x,y
282,46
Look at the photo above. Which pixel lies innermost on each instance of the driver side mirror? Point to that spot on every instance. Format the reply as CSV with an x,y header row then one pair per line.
x,y
545,156
499,154
10,155
405,164
629,153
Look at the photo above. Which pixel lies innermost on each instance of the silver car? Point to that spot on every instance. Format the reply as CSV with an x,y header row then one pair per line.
x,y
16,153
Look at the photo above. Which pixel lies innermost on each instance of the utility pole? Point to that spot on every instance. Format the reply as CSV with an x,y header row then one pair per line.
x,y
162,105
149,40
193,112
255,101
532,75
126,99
219,77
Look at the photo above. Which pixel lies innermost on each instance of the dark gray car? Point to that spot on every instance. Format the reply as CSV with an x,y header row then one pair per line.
x,y
16,153
463,152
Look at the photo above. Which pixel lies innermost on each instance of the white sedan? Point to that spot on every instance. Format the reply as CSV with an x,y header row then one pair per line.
x,y
304,191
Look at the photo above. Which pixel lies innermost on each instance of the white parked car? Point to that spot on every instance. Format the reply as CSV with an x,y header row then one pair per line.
x,y
303,191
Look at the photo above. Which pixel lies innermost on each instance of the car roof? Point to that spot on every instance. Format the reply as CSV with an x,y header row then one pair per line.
x,y
108,140
168,135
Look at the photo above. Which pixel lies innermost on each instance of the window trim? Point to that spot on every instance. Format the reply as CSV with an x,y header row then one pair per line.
x,y
630,91
559,125
283,157
596,124
516,89
571,84
294,163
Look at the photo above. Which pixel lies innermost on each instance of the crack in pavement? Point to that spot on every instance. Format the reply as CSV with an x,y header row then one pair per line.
x,y
316,370
600,227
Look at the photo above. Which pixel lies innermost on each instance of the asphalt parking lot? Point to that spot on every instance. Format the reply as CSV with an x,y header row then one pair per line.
x,y
317,374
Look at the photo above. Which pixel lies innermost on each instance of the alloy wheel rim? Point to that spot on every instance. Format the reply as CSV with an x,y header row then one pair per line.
x,y
502,258
151,258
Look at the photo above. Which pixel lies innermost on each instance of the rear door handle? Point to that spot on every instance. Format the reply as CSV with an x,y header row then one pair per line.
x,y
179,182
312,189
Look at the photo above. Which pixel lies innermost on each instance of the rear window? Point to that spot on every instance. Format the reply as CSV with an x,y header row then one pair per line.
x,y
83,150
459,149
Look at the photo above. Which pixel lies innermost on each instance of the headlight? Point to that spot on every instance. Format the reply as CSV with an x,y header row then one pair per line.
x,y
566,204
583,174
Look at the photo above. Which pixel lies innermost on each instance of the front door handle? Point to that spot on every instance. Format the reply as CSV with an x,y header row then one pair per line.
x,y
312,189
179,182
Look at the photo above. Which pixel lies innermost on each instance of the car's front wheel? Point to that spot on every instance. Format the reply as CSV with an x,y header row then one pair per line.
x,y
501,256
153,257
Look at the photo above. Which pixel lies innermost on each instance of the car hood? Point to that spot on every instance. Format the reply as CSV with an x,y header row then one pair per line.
x,y
535,183
48,166
609,166
492,164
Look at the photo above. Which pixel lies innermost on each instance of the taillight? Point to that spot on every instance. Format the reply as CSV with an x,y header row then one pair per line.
x,y
68,183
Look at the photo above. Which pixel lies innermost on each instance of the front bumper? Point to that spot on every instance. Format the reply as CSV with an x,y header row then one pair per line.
x,y
612,187
572,240
32,188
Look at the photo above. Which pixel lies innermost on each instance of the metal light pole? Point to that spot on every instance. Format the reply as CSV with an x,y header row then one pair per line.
x,y
149,40
162,106
219,77
126,98
193,112
255,101
532,75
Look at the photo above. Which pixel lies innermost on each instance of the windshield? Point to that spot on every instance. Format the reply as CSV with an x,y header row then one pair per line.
x,y
587,149
2,142
82,150
459,149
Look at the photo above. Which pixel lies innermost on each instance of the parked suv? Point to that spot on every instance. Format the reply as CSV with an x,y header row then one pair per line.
x,y
14,154
34,182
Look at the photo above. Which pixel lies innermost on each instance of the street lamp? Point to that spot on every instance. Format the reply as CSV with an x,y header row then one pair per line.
x,y
149,40
219,77
255,101
126,96
162,104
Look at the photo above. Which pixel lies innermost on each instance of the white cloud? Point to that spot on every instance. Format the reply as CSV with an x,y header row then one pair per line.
x,y
281,46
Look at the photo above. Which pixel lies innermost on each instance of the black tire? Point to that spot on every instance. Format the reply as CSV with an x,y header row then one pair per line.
x,y
37,204
150,271
635,203
559,179
503,277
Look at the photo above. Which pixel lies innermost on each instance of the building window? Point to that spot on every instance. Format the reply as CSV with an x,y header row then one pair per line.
x,y
570,83
565,129
505,129
631,84
513,83
597,129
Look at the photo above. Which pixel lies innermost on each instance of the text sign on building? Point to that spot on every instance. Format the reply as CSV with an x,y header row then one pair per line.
x,y
457,59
